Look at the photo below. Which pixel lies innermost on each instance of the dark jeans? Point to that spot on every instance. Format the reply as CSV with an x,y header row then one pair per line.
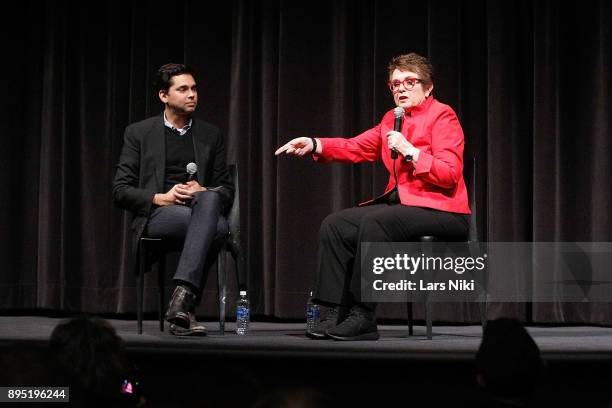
x,y
337,280
200,226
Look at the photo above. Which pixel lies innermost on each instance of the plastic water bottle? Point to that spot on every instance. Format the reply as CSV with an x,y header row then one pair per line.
x,y
243,314
313,314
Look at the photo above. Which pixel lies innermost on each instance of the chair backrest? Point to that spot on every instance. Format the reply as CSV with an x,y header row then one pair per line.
x,y
469,175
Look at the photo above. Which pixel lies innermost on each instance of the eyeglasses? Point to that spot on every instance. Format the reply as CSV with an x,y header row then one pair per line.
x,y
408,83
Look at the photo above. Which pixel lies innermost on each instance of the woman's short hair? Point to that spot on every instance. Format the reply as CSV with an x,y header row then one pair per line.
x,y
415,63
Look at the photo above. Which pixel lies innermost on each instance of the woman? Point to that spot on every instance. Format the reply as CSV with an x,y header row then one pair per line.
x,y
426,193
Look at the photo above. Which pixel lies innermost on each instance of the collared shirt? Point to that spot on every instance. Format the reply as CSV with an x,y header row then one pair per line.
x,y
182,130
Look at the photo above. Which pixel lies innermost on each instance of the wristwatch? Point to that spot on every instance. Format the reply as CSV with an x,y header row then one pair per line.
x,y
410,157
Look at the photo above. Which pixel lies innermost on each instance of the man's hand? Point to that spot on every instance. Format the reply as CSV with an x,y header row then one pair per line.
x,y
178,194
193,187
297,147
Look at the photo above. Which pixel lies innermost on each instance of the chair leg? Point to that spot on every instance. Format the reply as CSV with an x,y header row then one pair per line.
x,y
140,285
161,283
427,248
238,266
222,288
483,313
428,321
410,318
483,304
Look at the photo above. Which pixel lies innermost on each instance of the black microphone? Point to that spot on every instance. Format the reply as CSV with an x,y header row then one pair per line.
x,y
397,125
192,169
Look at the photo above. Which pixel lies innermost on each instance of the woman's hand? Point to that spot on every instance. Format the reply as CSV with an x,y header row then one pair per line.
x,y
299,146
396,141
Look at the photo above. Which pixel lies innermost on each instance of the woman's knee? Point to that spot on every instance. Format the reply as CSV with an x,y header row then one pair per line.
x,y
329,226
371,229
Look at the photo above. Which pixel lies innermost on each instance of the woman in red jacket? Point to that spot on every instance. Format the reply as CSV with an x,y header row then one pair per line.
x,y
426,193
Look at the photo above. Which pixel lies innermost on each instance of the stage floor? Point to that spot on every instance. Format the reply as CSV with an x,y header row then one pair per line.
x,y
277,356
287,339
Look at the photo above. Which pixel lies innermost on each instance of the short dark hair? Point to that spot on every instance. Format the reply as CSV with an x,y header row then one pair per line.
x,y
165,73
413,62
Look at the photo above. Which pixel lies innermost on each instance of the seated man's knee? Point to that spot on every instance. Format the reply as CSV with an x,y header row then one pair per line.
x,y
170,222
211,198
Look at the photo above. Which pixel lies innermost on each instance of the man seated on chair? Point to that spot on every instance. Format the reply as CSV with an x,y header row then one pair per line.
x,y
426,193
152,181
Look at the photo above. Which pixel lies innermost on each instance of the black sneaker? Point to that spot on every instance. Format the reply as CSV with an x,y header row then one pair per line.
x,y
330,321
360,324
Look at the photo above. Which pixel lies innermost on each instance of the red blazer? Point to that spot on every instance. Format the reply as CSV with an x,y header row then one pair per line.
x,y
436,181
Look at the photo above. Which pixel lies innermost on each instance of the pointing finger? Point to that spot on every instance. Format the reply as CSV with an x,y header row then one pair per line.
x,y
281,149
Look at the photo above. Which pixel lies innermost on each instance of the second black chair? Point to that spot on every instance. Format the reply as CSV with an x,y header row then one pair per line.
x,y
472,242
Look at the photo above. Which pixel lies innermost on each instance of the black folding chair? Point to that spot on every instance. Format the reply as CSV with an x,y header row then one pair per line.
x,y
469,171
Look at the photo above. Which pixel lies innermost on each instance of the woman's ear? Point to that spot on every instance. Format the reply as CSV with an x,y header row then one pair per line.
x,y
429,90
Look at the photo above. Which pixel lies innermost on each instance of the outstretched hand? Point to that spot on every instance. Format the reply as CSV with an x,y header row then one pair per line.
x,y
299,146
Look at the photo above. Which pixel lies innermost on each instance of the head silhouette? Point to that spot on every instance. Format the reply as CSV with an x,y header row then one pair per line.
x,y
90,355
508,360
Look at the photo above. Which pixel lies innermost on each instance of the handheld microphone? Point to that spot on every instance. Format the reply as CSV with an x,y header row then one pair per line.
x,y
397,125
192,169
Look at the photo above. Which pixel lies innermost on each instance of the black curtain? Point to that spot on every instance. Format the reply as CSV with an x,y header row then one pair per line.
x,y
530,81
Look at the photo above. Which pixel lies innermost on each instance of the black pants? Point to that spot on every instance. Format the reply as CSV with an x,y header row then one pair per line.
x,y
199,225
337,280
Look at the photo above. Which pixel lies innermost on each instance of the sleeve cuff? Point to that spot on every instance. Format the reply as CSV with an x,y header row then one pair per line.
x,y
423,164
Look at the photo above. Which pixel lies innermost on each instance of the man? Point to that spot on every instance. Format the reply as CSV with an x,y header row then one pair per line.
x,y
426,193
152,182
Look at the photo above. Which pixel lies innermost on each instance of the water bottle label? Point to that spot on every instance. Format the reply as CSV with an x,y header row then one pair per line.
x,y
242,313
313,313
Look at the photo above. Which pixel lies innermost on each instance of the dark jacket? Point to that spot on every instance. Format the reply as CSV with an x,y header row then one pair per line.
x,y
140,172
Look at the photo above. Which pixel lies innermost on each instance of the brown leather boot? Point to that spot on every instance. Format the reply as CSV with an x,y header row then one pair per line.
x,y
195,328
182,300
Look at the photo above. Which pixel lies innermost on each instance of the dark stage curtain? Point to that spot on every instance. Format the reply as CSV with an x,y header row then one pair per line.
x,y
530,81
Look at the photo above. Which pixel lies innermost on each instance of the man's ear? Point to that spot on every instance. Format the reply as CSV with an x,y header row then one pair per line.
x,y
163,95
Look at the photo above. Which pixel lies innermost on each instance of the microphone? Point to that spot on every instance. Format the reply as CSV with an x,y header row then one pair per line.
x,y
397,125
192,169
